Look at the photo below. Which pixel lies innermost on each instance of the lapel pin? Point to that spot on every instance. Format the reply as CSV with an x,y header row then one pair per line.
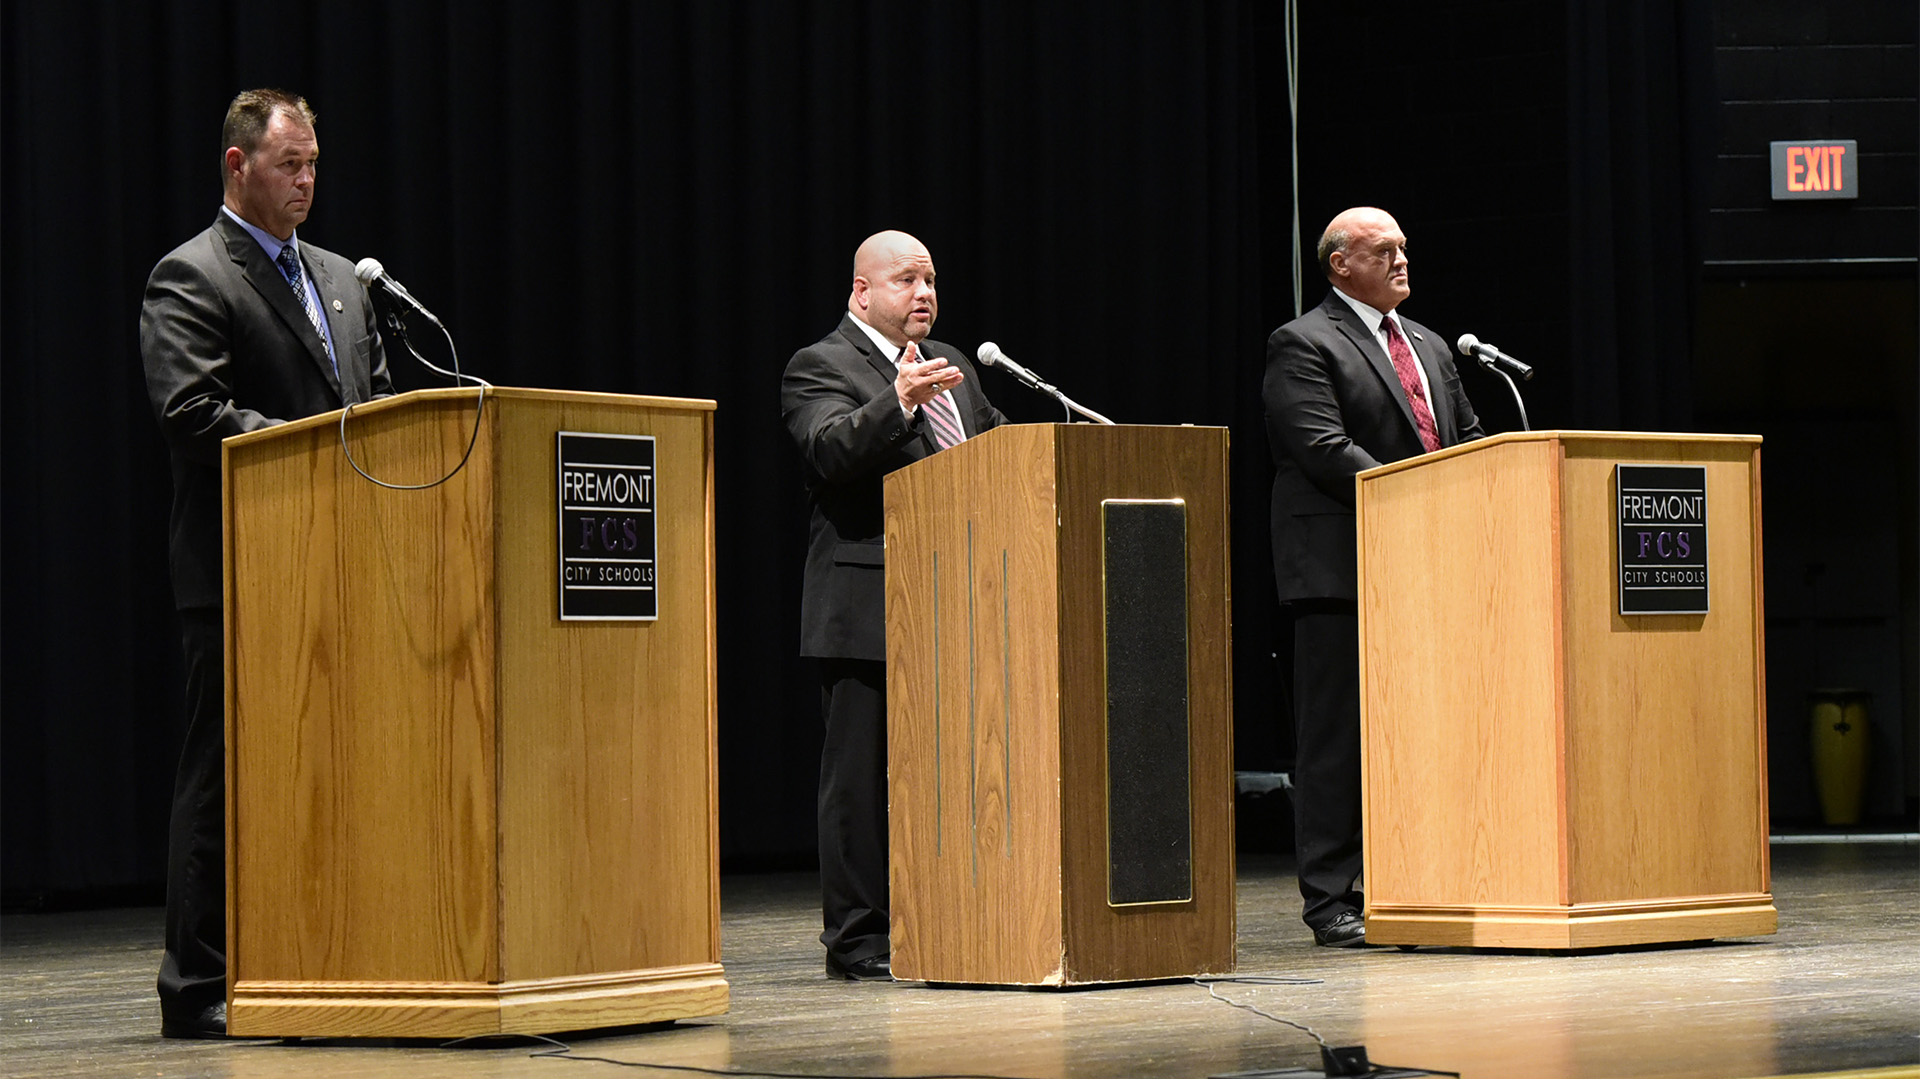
x,y
1416,333
337,307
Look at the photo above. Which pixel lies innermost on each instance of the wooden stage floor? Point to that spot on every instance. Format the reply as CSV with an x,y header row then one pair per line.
x,y
1837,989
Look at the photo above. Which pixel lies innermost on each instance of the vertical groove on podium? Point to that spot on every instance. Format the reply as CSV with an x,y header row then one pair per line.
x,y
1006,704
973,738
939,804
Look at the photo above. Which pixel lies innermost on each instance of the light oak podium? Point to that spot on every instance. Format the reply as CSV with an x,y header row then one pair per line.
x,y
1541,771
449,812
1058,684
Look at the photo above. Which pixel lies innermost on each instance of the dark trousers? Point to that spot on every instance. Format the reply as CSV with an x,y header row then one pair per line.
x,y
1326,775
193,973
853,809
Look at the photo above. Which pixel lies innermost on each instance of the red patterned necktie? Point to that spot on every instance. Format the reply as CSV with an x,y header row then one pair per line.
x,y
1402,356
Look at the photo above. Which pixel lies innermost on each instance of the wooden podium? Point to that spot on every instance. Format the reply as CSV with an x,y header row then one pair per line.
x,y
1542,771
448,811
1059,688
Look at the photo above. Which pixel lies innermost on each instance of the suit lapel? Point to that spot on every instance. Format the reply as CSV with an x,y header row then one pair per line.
x,y
333,309
963,407
1355,329
1442,406
864,345
883,366
272,285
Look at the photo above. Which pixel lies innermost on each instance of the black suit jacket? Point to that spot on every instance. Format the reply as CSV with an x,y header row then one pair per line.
x,y
228,349
1335,407
838,402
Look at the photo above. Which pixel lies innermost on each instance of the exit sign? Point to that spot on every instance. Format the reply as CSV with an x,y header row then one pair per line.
x,y
1816,170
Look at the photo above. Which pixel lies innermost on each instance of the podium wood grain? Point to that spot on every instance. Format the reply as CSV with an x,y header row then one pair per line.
x,y
973,809
450,812
997,709
1541,771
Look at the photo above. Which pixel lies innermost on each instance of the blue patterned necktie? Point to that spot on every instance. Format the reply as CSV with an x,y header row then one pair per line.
x,y
289,264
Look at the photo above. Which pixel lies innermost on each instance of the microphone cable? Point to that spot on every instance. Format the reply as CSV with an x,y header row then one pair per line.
x,y
399,329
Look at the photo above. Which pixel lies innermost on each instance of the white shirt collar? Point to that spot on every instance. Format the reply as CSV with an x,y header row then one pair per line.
x,y
1369,314
887,348
1374,317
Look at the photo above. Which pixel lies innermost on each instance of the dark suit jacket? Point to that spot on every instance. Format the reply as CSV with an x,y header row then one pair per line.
x,y
227,349
1335,407
838,402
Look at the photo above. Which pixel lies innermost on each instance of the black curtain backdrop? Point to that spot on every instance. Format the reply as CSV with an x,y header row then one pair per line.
x,y
1641,130
665,199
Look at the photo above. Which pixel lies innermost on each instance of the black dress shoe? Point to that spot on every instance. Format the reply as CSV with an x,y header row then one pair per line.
x,y
867,969
208,1023
1344,932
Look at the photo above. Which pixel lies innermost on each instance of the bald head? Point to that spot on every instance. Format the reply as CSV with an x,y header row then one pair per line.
x,y
884,248
1364,254
893,288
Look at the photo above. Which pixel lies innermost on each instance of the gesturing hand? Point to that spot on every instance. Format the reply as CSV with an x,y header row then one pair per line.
x,y
919,382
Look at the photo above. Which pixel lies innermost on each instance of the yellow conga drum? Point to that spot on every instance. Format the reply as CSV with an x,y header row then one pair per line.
x,y
1839,735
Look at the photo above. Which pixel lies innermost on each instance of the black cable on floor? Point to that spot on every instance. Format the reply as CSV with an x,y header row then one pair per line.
x,y
1328,1052
1263,980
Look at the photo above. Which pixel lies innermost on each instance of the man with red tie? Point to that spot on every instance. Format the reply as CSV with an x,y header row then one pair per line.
x,y
870,397
1349,385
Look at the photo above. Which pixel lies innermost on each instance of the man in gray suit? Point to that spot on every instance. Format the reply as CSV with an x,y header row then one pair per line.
x,y
870,397
242,327
1349,385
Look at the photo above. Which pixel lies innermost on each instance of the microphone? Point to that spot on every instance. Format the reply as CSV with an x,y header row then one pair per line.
x,y
1491,357
370,272
990,355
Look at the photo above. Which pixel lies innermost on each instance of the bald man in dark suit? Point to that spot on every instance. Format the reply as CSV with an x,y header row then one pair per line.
x,y
242,327
872,396
1349,385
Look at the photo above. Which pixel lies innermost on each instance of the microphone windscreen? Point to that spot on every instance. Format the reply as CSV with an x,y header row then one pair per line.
x,y
988,353
1467,344
368,270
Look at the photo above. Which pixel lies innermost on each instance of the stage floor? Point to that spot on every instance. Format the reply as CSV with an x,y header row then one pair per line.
x,y
1838,988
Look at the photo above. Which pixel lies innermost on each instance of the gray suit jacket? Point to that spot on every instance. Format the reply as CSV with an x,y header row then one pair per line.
x,y
838,402
227,349
1334,408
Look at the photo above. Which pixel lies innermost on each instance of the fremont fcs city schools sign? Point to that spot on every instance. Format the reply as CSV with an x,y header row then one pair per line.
x,y
1662,560
607,535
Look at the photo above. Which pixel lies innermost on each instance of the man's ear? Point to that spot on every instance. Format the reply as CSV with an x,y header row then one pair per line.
x,y
1337,264
235,160
860,289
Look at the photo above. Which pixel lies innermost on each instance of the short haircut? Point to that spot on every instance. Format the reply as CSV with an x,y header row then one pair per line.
x,y
250,113
1331,241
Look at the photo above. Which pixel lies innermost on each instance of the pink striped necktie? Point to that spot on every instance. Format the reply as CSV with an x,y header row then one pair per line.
x,y
1402,355
943,415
